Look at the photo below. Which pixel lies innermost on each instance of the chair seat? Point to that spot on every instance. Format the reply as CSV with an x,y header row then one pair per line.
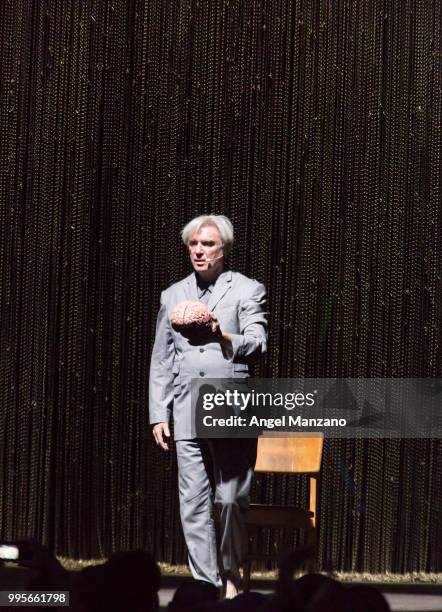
x,y
262,515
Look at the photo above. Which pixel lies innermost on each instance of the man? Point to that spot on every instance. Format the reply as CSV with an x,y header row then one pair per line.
x,y
238,338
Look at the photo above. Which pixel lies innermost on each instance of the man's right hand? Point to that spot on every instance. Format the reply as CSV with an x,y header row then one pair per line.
x,y
161,430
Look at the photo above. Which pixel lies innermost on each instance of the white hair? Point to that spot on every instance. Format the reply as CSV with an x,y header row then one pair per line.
x,y
222,223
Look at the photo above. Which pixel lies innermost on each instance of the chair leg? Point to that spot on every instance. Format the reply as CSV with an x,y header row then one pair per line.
x,y
246,566
284,549
311,540
247,555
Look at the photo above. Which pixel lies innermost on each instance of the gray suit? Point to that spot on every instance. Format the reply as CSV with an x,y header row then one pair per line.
x,y
222,466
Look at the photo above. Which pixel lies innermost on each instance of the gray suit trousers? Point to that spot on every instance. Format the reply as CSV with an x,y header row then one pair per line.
x,y
216,471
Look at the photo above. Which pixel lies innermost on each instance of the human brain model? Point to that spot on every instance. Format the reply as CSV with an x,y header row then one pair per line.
x,y
188,316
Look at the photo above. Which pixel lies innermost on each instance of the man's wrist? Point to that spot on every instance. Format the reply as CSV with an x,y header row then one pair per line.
x,y
225,340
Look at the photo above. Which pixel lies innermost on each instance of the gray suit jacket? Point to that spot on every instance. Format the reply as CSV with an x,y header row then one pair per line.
x,y
239,303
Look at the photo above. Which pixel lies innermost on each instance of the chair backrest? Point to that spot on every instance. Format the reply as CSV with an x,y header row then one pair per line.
x,y
299,453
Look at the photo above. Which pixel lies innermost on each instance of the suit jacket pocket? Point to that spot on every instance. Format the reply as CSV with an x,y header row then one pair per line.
x,y
228,318
241,369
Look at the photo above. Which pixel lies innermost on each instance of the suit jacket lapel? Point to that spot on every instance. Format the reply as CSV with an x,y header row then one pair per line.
x,y
191,288
222,285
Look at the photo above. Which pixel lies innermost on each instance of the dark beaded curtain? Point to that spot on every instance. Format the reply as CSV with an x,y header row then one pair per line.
x,y
315,125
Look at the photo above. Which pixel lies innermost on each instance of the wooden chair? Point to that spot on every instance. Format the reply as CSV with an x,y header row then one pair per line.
x,y
297,454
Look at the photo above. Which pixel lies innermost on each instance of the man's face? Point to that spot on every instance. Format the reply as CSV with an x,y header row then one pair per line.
x,y
206,250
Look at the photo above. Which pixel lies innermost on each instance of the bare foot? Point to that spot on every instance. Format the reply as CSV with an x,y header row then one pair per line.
x,y
231,590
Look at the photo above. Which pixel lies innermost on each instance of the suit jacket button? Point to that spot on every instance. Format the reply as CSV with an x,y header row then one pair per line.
x,y
202,373
201,350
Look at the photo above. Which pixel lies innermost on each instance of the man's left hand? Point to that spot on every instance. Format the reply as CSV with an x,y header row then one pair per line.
x,y
204,334
223,338
211,333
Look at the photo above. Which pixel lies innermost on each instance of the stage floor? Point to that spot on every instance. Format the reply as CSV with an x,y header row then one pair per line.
x,y
403,597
